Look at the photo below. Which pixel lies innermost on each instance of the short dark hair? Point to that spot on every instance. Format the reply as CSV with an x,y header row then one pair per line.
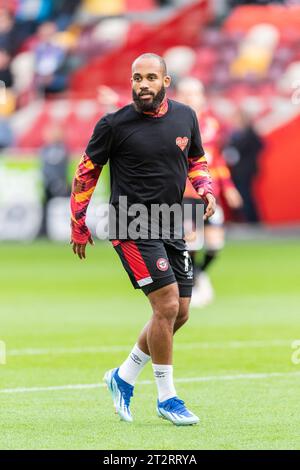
x,y
151,55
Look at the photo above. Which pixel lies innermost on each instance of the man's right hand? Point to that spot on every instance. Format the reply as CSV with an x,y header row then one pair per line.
x,y
79,248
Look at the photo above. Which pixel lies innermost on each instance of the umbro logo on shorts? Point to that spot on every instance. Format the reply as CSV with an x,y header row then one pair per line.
x,y
162,264
182,142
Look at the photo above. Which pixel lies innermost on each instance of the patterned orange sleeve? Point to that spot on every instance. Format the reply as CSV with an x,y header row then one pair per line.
x,y
199,175
84,183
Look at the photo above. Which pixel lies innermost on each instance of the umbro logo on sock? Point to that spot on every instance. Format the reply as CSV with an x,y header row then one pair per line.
x,y
159,374
136,358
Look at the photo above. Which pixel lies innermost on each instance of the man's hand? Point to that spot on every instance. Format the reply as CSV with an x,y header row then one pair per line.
x,y
79,248
211,204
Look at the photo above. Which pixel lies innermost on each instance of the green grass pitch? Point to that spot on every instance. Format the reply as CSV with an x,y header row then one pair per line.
x,y
65,322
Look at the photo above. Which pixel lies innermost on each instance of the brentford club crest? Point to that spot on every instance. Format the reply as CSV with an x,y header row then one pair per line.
x,y
162,264
182,142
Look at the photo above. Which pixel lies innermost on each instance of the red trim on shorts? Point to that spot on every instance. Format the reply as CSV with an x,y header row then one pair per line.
x,y
134,259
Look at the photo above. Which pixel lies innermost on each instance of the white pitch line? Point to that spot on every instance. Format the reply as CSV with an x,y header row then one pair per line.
x,y
183,346
209,378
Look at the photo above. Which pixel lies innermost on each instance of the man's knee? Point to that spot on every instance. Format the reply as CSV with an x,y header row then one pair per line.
x,y
183,316
168,310
165,303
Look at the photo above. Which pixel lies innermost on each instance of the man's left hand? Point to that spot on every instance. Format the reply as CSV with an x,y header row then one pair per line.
x,y
211,204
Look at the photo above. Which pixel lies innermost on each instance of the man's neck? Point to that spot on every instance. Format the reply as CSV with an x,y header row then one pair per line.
x,y
160,111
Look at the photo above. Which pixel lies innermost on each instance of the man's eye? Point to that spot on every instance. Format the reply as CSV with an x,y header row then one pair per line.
x,y
137,79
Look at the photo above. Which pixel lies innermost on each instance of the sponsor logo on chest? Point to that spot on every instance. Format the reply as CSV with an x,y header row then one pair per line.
x,y
182,142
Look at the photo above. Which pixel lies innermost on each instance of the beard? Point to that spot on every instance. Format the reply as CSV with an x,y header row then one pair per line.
x,y
151,105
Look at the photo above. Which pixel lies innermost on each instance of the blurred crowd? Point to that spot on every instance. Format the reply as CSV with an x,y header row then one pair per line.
x,y
43,41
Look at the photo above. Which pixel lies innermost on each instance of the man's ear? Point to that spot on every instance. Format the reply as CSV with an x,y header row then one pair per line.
x,y
167,81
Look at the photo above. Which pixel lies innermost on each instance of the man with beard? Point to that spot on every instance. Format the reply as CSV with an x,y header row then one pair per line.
x,y
152,146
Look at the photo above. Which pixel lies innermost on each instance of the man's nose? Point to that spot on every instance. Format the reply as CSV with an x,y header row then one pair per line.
x,y
144,83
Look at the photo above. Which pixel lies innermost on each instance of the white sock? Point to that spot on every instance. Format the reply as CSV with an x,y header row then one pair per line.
x,y
133,365
164,380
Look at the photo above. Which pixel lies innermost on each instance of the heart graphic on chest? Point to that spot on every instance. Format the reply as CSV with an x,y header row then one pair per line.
x,y
182,142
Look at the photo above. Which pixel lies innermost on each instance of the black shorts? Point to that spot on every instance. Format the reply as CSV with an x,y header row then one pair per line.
x,y
152,264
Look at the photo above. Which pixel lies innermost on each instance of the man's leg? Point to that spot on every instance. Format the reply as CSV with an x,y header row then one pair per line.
x,y
165,306
170,312
159,340
140,354
181,319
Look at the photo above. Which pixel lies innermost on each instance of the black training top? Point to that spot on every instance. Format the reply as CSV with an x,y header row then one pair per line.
x,y
148,156
146,164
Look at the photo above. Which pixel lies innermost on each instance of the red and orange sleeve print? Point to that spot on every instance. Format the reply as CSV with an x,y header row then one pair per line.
x,y
199,175
84,183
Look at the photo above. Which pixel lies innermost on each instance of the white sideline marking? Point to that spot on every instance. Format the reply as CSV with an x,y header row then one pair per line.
x,y
209,378
124,348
